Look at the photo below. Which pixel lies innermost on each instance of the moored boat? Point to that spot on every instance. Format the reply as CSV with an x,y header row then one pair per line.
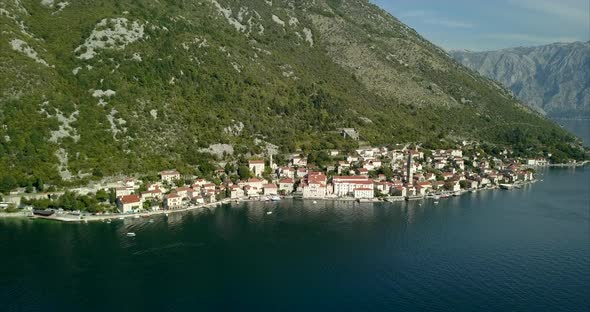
x,y
43,212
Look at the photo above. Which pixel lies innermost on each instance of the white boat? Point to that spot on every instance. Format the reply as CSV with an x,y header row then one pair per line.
x,y
109,221
436,202
315,202
506,186
275,198
269,212
130,234
121,218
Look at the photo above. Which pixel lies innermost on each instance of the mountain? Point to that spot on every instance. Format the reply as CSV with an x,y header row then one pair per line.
x,y
93,88
554,78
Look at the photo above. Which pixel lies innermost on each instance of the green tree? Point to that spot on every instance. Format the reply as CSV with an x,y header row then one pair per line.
x,y
112,196
7,184
244,172
39,185
229,168
463,184
29,189
102,196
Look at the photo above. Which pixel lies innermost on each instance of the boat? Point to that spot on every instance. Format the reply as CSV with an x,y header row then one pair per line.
x,y
506,186
130,234
151,221
121,218
315,202
108,221
269,212
436,202
275,198
43,213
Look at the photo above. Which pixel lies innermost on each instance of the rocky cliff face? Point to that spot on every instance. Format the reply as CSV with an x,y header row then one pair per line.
x,y
554,78
92,88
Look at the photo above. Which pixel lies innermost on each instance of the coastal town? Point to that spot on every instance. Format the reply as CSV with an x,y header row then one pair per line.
x,y
366,174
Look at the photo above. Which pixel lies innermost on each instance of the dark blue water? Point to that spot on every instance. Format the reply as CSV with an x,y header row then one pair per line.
x,y
521,250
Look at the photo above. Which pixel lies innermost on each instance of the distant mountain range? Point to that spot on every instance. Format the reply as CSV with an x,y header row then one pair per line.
x,y
553,78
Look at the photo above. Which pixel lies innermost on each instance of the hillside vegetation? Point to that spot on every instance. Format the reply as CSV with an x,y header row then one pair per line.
x,y
95,88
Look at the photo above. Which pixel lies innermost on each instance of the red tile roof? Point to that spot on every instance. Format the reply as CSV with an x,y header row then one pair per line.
x,y
129,199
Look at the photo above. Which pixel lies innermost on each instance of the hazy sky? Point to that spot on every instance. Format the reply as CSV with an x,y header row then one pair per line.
x,y
494,24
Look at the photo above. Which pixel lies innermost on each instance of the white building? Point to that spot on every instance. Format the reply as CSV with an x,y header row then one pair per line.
x,y
170,176
123,191
236,192
364,193
257,167
129,203
345,185
286,185
315,185
270,189
172,201
256,183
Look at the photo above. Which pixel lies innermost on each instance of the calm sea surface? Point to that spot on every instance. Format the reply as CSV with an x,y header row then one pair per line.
x,y
521,250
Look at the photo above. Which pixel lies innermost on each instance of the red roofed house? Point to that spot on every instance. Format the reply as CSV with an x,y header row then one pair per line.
x,y
286,185
383,187
129,203
287,172
270,189
256,183
345,185
172,201
315,185
184,192
251,190
398,191
236,192
153,194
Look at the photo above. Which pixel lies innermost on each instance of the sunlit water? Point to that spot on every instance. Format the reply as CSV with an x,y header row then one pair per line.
x,y
521,250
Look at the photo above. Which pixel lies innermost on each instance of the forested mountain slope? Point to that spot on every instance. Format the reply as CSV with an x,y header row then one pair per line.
x,y
93,88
